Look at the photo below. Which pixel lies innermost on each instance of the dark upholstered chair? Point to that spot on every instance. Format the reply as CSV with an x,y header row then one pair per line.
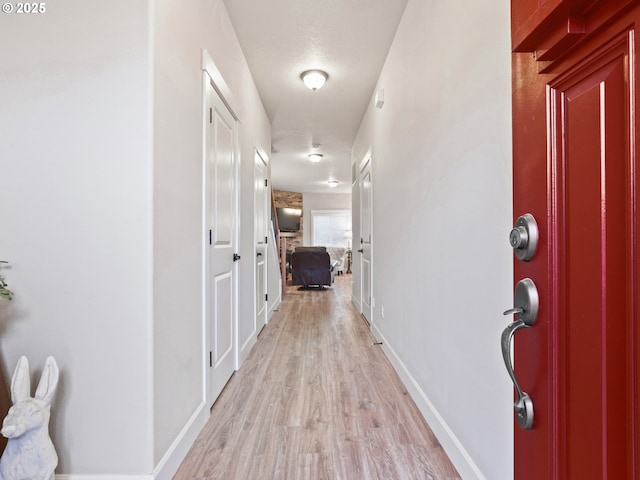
x,y
311,266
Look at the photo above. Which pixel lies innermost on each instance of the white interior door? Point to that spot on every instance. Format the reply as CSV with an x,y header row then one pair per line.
x,y
221,226
262,237
366,241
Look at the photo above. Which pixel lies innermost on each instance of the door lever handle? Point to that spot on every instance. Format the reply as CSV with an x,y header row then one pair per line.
x,y
361,250
259,254
526,311
523,404
236,257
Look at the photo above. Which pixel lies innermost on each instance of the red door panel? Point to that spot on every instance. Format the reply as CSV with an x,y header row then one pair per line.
x,y
574,141
591,151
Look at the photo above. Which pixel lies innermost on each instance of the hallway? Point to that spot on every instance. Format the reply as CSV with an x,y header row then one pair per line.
x,y
316,400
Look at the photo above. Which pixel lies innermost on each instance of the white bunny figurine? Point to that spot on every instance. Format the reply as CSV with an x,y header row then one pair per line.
x,y
30,454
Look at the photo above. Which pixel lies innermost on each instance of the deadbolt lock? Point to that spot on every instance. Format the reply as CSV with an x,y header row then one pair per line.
x,y
524,237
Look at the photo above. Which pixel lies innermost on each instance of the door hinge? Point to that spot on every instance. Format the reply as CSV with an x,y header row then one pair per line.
x,y
210,236
211,359
210,115
266,297
266,182
266,239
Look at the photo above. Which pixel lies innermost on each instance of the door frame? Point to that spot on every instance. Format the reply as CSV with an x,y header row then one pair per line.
x,y
211,76
260,157
366,166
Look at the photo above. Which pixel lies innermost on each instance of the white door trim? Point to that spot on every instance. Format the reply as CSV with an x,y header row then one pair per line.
x,y
366,167
261,237
212,77
220,85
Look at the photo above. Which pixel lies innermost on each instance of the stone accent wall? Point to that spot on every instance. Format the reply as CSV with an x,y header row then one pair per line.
x,y
284,199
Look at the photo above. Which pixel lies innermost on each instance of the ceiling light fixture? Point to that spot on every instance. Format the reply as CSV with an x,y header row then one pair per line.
x,y
315,157
333,183
314,79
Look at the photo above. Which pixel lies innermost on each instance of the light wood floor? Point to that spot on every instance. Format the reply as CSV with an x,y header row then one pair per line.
x,y
316,400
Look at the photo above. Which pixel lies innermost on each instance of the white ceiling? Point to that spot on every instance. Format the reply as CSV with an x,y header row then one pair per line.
x,y
349,39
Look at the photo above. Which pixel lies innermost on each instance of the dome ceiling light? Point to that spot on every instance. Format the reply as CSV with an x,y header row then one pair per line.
x,y
314,79
315,157
333,183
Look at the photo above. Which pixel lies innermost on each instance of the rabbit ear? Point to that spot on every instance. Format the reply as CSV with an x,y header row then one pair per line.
x,y
21,383
48,382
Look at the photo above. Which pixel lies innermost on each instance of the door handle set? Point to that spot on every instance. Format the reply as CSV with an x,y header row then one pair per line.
x,y
526,311
523,238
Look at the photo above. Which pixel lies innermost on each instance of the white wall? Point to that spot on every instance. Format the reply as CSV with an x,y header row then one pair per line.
x,y
101,161
181,30
75,183
321,201
442,211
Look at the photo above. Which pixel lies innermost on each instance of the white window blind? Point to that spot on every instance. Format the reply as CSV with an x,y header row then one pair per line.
x,y
329,227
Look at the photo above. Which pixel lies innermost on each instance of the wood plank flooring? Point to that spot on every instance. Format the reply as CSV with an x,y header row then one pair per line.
x,y
315,400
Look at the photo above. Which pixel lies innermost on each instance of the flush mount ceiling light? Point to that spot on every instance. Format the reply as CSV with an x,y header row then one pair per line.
x,y
315,157
333,183
314,79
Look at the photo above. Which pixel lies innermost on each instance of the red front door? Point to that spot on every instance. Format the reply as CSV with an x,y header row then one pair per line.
x,y
574,134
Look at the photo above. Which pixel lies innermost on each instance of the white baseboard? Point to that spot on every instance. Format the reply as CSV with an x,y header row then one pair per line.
x,y
170,462
104,477
176,453
457,454
246,347
273,308
356,302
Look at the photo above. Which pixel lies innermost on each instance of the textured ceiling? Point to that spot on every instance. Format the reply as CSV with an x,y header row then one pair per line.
x,y
349,39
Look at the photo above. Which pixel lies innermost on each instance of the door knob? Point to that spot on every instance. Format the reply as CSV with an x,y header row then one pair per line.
x,y
524,237
526,311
